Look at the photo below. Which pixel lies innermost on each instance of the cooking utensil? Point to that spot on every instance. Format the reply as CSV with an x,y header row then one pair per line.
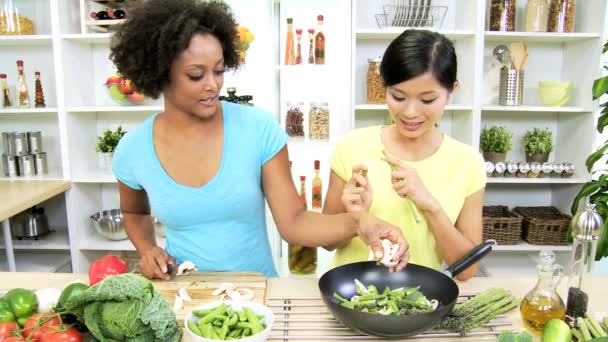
x,y
502,53
519,54
433,284
29,224
109,224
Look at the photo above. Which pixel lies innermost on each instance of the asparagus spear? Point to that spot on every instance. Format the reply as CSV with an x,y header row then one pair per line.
x,y
596,326
482,299
591,328
583,327
409,201
577,334
489,316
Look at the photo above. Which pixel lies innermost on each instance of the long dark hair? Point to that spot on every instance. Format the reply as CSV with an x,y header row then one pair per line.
x,y
415,52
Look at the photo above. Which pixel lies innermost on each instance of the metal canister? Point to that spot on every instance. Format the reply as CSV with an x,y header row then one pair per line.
x,y
568,170
20,144
524,168
546,168
558,168
27,167
5,165
499,169
8,143
34,141
489,168
41,164
512,169
535,170
12,167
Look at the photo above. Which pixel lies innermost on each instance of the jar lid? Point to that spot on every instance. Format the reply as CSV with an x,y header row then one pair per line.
x,y
294,103
318,104
377,59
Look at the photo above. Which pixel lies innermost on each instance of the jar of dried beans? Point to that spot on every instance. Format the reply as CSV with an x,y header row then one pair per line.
x,y
502,15
294,119
376,93
318,123
561,16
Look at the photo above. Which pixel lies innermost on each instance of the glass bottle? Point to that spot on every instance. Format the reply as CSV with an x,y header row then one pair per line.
x,y
318,121
543,302
311,46
317,188
537,13
290,57
376,92
7,101
320,42
302,260
561,16
502,15
294,119
299,46
38,93
587,229
22,90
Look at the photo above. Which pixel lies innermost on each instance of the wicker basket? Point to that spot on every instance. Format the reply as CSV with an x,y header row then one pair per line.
x,y
501,225
544,225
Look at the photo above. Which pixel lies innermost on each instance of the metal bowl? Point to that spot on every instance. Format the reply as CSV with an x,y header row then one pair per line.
x,y
109,224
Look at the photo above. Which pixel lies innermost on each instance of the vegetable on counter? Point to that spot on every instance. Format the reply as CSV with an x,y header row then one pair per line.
x,y
556,330
125,306
479,310
22,303
225,323
588,329
509,336
47,298
399,301
108,265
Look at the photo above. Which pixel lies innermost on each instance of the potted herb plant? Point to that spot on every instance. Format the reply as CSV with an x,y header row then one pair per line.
x,y
597,188
494,143
538,143
106,143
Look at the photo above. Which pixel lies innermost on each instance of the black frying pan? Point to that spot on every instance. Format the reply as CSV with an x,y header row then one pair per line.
x,y
433,284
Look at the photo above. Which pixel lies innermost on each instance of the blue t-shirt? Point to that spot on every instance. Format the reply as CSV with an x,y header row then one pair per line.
x,y
220,226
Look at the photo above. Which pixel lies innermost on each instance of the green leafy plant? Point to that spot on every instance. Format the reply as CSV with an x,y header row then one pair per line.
x,y
108,141
495,139
597,189
538,140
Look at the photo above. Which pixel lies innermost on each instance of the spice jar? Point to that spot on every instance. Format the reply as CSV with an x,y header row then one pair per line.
x,y
302,260
535,169
587,229
568,170
489,168
523,170
376,92
499,169
318,120
546,170
512,168
294,119
558,168
537,12
502,15
561,16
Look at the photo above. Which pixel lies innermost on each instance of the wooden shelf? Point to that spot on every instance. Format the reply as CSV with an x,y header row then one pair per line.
x,y
537,109
537,37
26,40
53,175
56,240
549,180
392,33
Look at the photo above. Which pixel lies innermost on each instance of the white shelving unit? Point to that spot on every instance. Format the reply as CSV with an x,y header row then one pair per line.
x,y
73,60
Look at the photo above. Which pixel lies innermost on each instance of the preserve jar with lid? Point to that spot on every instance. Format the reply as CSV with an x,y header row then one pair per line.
x,y
318,117
537,13
502,15
376,92
294,119
561,16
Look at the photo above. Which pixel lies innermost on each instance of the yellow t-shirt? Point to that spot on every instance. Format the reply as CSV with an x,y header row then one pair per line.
x,y
452,173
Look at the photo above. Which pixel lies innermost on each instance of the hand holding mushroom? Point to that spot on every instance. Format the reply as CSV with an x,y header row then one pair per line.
x,y
394,251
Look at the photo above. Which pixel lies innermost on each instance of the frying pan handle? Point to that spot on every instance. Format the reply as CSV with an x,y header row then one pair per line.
x,y
470,258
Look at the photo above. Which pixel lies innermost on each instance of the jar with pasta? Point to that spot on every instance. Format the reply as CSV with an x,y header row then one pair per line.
x,y
13,22
318,121
537,12
294,119
376,93
561,16
502,15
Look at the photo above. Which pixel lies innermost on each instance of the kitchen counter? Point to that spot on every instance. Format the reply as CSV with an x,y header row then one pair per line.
x,y
307,287
19,195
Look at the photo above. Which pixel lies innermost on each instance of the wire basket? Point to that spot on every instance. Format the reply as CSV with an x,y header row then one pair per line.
x,y
501,225
411,16
544,225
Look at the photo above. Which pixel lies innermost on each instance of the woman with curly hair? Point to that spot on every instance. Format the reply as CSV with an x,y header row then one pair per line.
x,y
205,167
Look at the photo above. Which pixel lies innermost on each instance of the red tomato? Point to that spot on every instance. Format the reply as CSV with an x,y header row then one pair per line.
x,y
13,339
50,319
108,265
67,335
7,328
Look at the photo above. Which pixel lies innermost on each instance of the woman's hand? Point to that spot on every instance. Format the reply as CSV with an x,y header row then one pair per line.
x,y
357,193
372,230
155,263
407,183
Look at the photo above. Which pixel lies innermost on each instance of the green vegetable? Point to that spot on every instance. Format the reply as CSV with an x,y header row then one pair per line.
x,y
225,323
125,307
598,339
21,320
599,331
22,302
556,330
6,315
69,292
582,326
524,336
506,336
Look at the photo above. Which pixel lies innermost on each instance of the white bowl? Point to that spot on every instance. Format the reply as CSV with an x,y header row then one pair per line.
x,y
259,309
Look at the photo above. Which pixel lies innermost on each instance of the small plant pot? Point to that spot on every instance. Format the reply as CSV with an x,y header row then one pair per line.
x,y
537,157
105,161
494,157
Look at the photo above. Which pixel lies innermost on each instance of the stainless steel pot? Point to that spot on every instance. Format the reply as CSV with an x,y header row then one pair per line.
x,y
29,224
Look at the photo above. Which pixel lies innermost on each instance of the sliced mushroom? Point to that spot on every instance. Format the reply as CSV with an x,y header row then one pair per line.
x,y
185,268
179,303
183,294
223,288
434,304
240,294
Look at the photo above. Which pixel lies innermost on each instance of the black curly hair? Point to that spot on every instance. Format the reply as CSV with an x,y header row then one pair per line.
x,y
157,31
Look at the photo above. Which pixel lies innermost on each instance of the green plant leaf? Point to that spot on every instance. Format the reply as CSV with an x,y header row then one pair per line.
x,y
588,189
600,87
495,139
538,140
595,156
602,246
602,121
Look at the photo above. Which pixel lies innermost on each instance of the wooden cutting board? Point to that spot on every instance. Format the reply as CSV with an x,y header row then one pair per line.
x,y
200,285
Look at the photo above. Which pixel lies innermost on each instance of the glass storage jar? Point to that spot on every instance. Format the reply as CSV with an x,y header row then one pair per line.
x,y
537,13
376,93
294,119
318,121
502,15
561,16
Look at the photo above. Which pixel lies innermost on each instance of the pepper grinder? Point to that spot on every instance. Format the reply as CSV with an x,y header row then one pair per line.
x,y
587,229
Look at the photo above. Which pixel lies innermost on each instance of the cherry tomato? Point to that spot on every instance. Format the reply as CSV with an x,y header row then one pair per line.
x,y
50,320
61,335
7,328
